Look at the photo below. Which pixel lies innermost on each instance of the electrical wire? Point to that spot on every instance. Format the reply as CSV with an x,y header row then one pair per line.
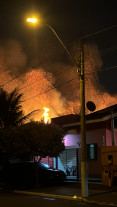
x,y
52,88
55,87
102,70
92,34
107,50
98,32
103,51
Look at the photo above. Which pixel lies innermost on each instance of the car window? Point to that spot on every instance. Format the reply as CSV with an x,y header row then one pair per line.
x,y
44,166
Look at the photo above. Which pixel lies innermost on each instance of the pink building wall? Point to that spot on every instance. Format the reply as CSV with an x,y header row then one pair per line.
x,y
96,136
108,137
108,134
115,137
46,160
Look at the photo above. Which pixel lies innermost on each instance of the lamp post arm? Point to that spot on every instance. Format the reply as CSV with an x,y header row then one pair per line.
x,y
76,64
84,179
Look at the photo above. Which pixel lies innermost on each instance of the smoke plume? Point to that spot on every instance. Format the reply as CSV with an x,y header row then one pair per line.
x,y
55,84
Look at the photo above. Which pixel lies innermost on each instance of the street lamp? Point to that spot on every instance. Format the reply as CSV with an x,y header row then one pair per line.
x,y
84,177
32,20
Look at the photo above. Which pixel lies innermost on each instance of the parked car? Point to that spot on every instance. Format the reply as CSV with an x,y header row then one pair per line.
x,y
30,174
50,175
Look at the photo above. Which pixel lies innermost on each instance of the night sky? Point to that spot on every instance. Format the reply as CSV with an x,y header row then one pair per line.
x,y
71,19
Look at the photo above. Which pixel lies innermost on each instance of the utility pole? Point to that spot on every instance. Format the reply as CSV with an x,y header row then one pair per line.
x,y
84,177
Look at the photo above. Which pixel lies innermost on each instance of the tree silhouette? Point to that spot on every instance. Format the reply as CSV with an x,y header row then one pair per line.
x,y
11,113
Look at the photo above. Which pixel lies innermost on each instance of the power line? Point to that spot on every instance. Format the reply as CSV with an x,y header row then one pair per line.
x,y
98,32
108,49
105,69
52,88
103,51
92,34
29,69
47,78
55,87
99,71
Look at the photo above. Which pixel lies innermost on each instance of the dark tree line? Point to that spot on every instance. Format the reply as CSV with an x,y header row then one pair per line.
x,y
21,140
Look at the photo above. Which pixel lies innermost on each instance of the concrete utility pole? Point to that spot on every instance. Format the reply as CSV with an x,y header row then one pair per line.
x,y
84,177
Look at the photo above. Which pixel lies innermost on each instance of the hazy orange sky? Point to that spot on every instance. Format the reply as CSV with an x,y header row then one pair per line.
x,y
49,77
60,93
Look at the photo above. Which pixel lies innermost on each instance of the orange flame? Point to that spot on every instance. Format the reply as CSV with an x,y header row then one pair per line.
x,y
46,115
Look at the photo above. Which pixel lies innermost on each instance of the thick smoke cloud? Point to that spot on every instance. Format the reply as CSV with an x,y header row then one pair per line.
x,y
12,56
54,84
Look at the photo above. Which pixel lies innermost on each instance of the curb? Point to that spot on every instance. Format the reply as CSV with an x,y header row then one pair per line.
x,y
73,198
101,203
48,195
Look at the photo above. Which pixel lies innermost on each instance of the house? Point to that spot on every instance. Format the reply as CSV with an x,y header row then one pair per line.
x,y
101,130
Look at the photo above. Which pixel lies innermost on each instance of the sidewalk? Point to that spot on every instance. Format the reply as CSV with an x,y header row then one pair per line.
x,y
97,193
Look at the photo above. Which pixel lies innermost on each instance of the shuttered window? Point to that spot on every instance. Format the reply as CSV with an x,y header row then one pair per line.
x,y
67,161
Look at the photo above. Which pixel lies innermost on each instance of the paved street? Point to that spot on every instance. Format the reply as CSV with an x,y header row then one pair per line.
x,y
11,200
68,194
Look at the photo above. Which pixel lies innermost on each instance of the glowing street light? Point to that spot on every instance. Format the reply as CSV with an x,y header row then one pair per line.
x,y
31,20
34,20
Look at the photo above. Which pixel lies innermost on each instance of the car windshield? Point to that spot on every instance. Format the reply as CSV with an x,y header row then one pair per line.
x,y
43,165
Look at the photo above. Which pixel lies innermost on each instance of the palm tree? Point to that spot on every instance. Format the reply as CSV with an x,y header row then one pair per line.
x,y
11,113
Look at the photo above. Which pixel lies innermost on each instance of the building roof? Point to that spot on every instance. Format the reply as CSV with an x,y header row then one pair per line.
x,y
98,116
103,113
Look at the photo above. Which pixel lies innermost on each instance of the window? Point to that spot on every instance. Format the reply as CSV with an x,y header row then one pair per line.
x,y
92,151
